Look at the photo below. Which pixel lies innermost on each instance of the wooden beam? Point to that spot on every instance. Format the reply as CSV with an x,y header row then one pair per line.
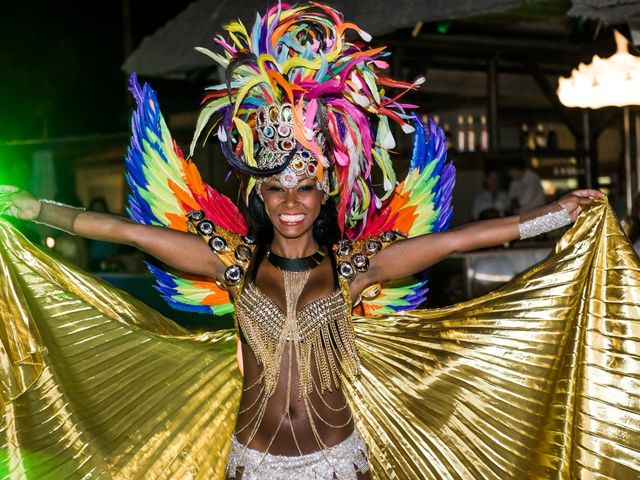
x,y
550,92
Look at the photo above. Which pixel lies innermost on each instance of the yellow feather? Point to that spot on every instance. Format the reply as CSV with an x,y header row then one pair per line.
x,y
242,92
247,140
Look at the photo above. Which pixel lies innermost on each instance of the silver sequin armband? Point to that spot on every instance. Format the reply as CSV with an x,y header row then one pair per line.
x,y
544,223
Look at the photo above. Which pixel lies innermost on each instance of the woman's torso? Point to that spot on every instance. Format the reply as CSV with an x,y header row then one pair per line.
x,y
289,423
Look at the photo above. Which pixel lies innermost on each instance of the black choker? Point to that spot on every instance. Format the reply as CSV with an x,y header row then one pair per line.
x,y
295,264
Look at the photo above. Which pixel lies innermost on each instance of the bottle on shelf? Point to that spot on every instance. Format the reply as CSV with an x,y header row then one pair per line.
x,y
460,143
541,138
484,134
447,134
531,140
471,134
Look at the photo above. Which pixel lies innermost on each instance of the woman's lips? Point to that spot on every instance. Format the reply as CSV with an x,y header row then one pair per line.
x,y
291,219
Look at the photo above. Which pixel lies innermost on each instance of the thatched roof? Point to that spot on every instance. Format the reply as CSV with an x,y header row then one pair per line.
x,y
169,52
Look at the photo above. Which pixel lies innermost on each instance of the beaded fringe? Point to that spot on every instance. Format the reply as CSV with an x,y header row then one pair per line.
x,y
321,333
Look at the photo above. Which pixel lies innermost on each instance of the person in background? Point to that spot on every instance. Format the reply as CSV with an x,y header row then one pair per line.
x,y
492,201
525,189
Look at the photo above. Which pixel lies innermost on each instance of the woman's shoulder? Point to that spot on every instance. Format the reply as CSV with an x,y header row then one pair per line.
x,y
234,250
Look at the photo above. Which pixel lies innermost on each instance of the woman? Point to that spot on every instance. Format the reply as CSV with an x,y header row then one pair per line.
x,y
292,425
293,285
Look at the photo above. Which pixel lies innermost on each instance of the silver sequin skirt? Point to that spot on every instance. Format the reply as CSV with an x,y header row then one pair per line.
x,y
342,462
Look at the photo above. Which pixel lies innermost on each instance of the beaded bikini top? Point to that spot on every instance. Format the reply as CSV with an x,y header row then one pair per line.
x,y
320,333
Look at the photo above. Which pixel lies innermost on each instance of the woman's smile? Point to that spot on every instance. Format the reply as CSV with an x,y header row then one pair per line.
x,y
291,219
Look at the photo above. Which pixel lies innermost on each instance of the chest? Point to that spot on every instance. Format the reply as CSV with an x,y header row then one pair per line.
x,y
255,309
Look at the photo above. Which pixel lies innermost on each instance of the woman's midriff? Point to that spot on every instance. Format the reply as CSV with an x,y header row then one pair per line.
x,y
285,428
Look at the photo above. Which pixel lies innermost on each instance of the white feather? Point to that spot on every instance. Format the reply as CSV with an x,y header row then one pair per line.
x,y
388,142
364,35
222,134
407,128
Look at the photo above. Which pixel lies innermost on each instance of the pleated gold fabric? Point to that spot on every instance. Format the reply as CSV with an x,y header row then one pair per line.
x,y
97,385
540,379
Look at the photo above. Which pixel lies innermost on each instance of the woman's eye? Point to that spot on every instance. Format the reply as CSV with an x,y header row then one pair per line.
x,y
305,188
274,189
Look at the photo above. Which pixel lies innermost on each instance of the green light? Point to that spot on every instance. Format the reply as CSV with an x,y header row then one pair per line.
x,y
14,167
443,27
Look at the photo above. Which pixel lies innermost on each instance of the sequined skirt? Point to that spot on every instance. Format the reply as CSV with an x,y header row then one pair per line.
x,y
342,462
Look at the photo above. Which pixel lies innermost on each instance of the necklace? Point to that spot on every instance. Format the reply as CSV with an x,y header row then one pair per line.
x,y
295,264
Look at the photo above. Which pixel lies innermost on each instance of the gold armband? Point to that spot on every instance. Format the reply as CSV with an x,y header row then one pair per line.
x,y
352,257
235,251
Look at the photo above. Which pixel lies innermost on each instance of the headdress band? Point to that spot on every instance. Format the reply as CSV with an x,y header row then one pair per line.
x,y
278,147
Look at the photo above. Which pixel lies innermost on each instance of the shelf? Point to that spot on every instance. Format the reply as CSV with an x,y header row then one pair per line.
x,y
507,154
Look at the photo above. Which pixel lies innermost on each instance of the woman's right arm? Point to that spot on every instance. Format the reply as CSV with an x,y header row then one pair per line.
x,y
180,250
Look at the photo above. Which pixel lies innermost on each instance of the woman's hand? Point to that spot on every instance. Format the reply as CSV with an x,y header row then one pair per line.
x,y
18,203
572,202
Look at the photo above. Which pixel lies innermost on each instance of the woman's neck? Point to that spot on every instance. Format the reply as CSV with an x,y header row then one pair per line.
x,y
302,246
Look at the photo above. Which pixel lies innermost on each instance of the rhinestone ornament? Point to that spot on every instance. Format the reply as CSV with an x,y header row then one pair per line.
x,y
373,246
196,215
344,249
233,275
361,262
388,236
243,253
346,270
206,227
218,244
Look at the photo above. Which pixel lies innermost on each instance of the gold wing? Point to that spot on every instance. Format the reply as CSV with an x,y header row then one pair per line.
x,y
538,380
97,385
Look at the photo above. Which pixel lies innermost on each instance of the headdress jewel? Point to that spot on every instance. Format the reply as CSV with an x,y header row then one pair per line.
x,y
278,148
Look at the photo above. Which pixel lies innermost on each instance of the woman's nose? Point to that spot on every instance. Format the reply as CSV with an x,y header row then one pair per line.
x,y
291,196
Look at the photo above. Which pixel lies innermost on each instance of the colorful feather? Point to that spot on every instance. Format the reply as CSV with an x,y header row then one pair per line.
x,y
299,54
164,188
420,205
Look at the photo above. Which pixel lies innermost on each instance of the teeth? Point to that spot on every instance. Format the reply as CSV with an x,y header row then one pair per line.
x,y
292,218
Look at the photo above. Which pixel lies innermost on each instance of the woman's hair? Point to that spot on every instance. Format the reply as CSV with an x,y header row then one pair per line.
x,y
325,229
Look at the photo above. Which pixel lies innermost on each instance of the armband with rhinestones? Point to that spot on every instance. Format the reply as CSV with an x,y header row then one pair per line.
x,y
352,257
544,223
235,251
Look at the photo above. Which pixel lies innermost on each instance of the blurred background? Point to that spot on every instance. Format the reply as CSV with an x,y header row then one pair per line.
x,y
492,68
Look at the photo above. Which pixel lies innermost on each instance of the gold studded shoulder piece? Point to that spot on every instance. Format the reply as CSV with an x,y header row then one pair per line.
x,y
235,251
352,257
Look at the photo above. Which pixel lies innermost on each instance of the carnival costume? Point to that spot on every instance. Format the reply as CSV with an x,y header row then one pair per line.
x,y
536,380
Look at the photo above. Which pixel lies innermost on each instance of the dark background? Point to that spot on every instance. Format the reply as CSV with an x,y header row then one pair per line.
x,y
60,64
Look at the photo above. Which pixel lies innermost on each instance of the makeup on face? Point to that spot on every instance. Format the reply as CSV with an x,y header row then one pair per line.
x,y
292,209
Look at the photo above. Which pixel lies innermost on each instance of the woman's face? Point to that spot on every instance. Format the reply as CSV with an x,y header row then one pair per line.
x,y
292,211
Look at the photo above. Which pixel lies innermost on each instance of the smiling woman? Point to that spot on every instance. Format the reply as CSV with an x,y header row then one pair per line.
x,y
342,377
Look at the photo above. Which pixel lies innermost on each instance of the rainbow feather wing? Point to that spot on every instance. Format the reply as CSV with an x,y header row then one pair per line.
x,y
421,204
164,188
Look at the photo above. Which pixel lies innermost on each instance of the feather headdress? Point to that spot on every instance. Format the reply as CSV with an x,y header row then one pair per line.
x,y
299,55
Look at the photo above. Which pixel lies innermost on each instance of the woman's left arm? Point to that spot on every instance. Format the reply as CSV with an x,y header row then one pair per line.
x,y
413,255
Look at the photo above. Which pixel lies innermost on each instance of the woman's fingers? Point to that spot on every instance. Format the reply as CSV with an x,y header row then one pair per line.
x,y
588,192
